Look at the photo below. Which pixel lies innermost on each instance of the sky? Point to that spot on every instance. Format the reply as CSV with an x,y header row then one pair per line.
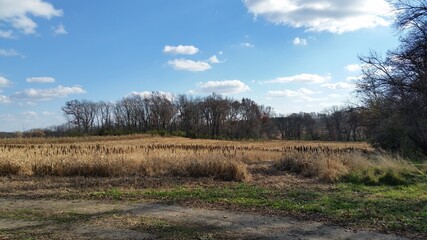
x,y
292,55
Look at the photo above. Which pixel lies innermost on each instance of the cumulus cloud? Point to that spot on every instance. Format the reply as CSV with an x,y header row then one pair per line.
x,y
181,49
48,94
301,78
189,65
336,16
148,94
16,14
339,85
247,45
59,30
4,82
9,53
223,87
299,41
41,80
353,67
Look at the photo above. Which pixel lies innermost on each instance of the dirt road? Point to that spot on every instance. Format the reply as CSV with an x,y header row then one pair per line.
x,y
82,219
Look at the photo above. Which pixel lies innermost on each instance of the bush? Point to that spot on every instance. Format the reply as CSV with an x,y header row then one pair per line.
x,y
9,168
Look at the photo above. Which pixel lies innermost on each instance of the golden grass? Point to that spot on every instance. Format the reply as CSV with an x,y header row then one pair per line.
x,y
335,166
143,155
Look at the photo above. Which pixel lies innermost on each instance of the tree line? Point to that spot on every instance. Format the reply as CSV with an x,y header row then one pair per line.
x,y
213,116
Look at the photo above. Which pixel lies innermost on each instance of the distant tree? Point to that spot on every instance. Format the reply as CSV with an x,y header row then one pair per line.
x,y
81,114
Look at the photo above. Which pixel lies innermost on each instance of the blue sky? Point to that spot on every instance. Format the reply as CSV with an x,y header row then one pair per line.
x,y
293,55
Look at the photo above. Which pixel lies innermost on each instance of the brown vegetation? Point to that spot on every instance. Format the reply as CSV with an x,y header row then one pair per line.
x,y
143,155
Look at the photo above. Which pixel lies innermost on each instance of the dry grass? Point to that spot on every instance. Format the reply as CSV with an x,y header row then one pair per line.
x,y
328,167
355,166
142,155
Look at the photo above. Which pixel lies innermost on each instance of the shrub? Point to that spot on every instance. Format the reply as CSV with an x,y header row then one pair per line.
x,y
9,168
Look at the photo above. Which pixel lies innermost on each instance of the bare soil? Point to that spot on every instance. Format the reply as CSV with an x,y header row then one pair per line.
x,y
88,219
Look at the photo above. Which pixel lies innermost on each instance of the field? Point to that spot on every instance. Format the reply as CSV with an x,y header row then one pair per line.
x,y
350,185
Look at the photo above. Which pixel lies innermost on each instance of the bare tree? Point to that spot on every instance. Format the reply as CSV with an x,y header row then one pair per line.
x,y
394,88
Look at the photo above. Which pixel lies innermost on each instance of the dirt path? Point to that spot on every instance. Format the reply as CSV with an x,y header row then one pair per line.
x,y
81,219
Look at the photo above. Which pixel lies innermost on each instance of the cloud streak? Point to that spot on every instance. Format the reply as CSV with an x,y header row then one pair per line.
x,y
300,95
223,87
48,94
40,80
339,85
9,53
301,78
336,16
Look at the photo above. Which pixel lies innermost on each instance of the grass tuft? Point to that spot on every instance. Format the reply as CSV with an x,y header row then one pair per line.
x,y
325,167
373,169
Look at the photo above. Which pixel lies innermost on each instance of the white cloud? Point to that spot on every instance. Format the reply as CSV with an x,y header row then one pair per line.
x,y
247,45
16,14
336,16
41,80
6,34
4,99
147,94
4,82
48,94
223,87
214,60
353,67
291,93
299,41
189,65
181,49
9,53
59,30
339,85
300,95
301,78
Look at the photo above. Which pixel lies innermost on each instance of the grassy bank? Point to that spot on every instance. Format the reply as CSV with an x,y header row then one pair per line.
x,y
401,209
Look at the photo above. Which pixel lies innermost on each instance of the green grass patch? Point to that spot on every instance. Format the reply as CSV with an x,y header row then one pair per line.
x,y
395,208
389,177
